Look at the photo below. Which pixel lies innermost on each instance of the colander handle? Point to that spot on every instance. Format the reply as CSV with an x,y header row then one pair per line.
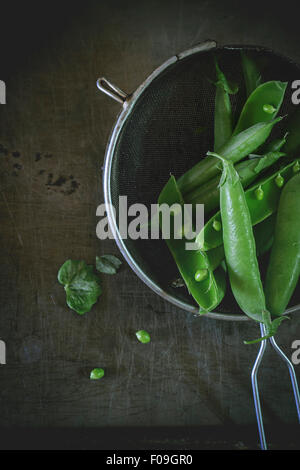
x,y
112,90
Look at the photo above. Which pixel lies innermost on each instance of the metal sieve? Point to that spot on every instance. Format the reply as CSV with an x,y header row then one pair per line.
x,y
164,127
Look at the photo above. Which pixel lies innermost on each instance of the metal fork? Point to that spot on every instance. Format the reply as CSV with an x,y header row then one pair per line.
x,y
262,437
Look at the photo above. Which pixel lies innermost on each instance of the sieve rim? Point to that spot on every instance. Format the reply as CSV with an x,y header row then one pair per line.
x,y
128,104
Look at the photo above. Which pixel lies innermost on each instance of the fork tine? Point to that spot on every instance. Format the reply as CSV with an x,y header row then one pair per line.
x,y
292,374
261,431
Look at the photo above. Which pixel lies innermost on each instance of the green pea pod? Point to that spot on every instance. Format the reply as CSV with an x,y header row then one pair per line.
x,y
209,292
240,250
271,93
235,149
248,170
223,113
251,73
284,265
209,238
263,234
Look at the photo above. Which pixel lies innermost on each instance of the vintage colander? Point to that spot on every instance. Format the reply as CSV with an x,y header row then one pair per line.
x,y
164,127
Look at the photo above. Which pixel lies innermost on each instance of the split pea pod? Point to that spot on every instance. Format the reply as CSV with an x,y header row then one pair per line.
x,y
267,96
235,149
262,200
284,265
248,170
206,286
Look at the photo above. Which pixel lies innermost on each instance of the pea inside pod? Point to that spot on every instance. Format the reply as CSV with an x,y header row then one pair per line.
x,y
262,105
268,108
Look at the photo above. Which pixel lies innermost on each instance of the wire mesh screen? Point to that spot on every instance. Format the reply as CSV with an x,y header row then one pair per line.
x,y
168,130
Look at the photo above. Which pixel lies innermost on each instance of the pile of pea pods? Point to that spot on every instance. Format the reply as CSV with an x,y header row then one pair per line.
x,y
250,187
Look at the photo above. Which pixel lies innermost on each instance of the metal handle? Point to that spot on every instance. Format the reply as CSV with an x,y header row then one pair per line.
x,y
255,368
112,90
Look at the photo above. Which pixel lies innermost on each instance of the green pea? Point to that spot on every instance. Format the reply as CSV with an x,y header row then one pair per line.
x,y
279,180
259,193
296,167
217,225
268,108
201,274
97,373
143,336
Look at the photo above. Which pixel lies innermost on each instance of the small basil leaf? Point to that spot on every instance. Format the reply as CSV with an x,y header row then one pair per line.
x,y
69,270
81,284
108,264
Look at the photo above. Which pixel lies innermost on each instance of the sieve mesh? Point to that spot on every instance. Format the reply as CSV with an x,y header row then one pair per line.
x,y
167,130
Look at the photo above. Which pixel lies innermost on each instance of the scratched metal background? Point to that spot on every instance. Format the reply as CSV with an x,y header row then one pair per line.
x,y
188,388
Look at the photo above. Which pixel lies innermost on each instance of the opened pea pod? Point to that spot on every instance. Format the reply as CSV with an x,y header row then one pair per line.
x,y
248,170
197,270
262,105
202,271
262,201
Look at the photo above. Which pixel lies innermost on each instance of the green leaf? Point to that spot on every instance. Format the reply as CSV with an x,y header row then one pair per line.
x,y
81,284
108,264
97,373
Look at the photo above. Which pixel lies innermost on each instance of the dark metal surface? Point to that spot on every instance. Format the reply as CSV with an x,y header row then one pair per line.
x,y
53,133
